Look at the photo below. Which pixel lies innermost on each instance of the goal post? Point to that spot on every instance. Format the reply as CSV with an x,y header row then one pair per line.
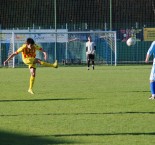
x,y
70,46
11,63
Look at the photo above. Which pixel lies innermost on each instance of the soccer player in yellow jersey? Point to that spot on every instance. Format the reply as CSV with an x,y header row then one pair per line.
x,y
28,51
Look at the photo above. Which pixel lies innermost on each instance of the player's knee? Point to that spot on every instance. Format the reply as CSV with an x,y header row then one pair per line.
x,y
38,61
33,74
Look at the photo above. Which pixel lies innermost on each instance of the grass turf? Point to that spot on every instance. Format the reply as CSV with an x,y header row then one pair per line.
x,y
72,105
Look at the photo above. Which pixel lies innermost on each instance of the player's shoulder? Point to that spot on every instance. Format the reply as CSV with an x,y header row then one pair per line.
x,y
23,46
153,42
152,46
93,43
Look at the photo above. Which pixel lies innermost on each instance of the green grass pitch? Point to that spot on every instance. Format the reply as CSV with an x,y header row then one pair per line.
x,y
71,105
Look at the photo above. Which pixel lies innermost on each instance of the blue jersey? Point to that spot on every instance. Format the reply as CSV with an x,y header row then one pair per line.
x,y
152,49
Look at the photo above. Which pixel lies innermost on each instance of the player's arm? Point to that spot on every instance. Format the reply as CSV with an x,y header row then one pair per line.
x,y
45,54
10,57
95,47
147,58
39,48
86,47
14,54
150,52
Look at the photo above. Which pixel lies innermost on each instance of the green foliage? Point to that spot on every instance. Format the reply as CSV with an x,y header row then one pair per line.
x,y
72,105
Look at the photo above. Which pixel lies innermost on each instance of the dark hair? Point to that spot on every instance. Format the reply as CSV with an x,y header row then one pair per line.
x,y
89,36
30,41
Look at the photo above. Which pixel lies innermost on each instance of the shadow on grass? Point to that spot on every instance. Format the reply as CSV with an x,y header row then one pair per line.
x,y
140,91
67,114
53,99
7,138
106,134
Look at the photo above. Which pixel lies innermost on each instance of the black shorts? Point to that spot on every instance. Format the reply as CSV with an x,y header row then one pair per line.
x,y
90,56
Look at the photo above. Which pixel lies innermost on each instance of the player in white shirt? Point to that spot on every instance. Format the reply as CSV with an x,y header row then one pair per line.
x,y
90,51
151,51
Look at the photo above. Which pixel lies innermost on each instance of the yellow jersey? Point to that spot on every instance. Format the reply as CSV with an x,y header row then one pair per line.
x,y
27,52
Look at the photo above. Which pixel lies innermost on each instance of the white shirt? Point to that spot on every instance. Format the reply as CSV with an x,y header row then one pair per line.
x,y
90,46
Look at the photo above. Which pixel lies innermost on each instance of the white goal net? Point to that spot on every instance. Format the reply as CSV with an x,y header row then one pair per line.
x,y
66,47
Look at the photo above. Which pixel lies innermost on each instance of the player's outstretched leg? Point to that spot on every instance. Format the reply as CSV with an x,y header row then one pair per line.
x,y
55,64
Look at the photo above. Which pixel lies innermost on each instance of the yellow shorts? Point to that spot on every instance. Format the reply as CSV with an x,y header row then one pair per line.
x,y
29,62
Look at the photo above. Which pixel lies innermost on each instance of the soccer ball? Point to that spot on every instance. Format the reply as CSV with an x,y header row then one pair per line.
x,y
131,41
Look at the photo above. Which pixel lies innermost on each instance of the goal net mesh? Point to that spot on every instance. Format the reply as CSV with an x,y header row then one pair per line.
x,y
67,47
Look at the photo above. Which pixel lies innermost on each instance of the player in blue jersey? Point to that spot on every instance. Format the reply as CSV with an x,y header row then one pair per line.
x,y
151,51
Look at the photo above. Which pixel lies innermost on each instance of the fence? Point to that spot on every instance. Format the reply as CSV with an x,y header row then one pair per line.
x,y
69,48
